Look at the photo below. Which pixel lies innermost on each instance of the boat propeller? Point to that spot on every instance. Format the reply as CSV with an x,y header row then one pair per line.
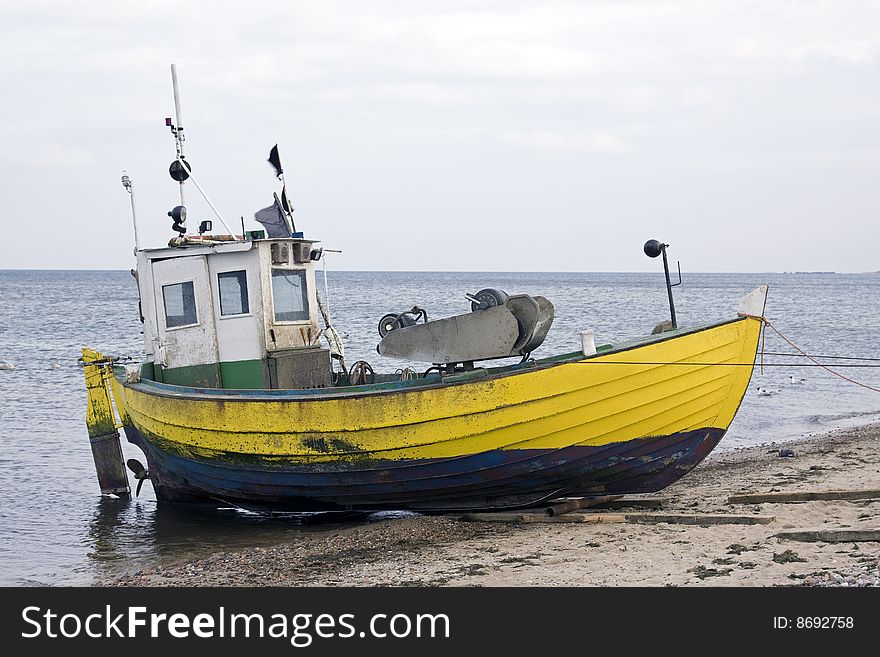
x,y
140,473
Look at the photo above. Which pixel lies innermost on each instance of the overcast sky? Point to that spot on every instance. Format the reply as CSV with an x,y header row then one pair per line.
x,y
511,136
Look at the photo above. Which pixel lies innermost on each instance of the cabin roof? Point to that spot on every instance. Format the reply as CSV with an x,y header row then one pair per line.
x,y
219,247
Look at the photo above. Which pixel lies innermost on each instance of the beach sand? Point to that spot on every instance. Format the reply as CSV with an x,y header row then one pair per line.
x,y
446,551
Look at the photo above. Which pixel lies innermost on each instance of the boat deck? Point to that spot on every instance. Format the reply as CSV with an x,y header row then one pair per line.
x,y
396,382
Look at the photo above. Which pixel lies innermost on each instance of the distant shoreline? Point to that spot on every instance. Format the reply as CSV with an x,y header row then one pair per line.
x,y
445,271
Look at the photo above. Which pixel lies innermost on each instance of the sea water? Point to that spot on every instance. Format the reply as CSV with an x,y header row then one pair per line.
x,y
55,528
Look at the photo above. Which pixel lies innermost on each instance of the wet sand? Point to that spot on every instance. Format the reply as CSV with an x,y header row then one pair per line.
x,y
447,551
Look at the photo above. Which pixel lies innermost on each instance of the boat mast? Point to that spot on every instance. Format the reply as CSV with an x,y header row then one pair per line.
x,y
180,170
178,129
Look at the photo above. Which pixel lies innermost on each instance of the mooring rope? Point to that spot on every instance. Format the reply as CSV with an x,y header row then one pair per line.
x,y
407,374
764,322
696,364
800,353
816,362
823,356
110,360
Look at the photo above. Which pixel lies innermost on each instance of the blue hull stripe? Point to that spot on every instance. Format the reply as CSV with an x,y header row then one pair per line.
x,y
486,480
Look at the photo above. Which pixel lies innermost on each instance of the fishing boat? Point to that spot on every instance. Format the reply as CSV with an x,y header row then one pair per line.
x,y
244,397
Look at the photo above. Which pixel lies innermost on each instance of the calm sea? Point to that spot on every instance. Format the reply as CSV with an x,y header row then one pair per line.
x,y
55,528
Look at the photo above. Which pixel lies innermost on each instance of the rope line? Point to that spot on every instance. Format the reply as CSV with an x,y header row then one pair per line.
x,y
825,357
763,336
645,362
801,353
824,367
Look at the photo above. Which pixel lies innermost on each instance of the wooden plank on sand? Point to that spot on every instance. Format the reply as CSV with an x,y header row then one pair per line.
x,y
832,535
641,518
544,518
804,496
636,503
700,518
567,505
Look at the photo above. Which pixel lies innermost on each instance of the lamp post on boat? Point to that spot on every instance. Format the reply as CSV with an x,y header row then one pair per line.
x,y
654,248
129,187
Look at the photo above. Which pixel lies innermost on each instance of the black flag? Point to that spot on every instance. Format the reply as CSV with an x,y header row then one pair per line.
x,y
275,160
285,202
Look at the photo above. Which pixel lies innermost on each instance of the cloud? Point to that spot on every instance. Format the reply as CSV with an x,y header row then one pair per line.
x,y
712,95
55,157
601,142
855,53
424,93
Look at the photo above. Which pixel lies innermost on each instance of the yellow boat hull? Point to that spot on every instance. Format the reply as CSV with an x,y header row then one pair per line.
x,y
633,419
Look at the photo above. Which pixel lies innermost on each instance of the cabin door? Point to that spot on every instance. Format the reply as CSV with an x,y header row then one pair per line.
x,y
187,341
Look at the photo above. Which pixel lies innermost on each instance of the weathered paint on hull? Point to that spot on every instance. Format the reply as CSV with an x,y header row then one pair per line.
x,y
631,420
500,478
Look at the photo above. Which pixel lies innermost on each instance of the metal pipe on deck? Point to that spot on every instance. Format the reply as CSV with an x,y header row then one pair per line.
x,y
669,289
654,248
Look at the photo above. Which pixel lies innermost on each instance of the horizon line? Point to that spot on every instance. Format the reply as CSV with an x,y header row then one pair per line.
x,y
483,271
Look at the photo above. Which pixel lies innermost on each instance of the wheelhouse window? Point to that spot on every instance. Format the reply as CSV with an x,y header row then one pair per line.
x,y
180,304
233,293
289,295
